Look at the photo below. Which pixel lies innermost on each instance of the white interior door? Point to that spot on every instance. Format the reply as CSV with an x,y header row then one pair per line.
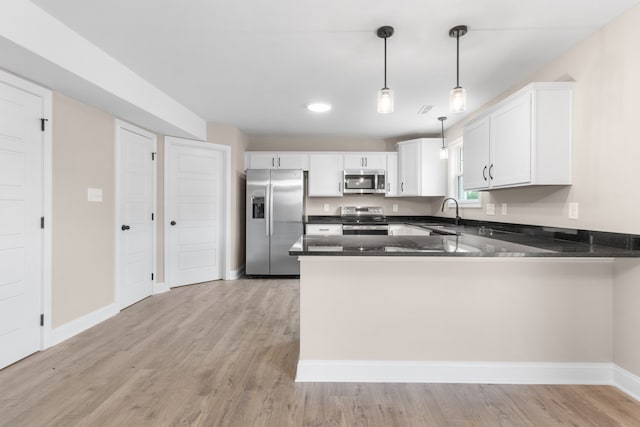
x,y
136,204
21,237
194,201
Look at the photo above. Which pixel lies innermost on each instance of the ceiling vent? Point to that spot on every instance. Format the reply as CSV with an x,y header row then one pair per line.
x,y
425,109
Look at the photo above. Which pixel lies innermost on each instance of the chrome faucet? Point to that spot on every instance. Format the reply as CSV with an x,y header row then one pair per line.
x,y
444,202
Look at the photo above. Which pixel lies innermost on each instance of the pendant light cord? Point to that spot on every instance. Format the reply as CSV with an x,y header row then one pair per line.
x,y
458,58
385,63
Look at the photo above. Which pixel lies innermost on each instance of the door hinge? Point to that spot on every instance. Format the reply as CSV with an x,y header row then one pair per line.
x,y
42,222
151,276
153,156
42,120
42,319
153,217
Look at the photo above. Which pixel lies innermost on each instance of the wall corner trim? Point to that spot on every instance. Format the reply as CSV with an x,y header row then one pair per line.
x,y
626,382
160,288
235,274
81,324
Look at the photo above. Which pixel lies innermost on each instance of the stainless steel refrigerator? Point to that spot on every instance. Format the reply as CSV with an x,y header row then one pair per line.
x,y
274,221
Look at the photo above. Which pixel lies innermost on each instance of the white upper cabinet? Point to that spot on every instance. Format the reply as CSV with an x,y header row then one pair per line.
x,y
326,174
376,161
524,140
276,160
392,175
421,172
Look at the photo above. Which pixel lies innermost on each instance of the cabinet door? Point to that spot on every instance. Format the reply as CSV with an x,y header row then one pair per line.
x,y
392,175
409,168
326,175
293,161
432,169
476,155
354,161
377,161
260,160
511,143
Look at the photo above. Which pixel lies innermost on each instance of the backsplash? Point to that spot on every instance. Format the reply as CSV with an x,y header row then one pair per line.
x,y
406,205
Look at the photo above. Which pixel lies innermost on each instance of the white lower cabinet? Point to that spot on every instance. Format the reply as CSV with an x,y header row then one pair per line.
x,y
421,172
326,174
524,140
324,229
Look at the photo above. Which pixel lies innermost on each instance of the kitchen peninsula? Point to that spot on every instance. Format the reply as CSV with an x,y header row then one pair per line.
x,y
464,306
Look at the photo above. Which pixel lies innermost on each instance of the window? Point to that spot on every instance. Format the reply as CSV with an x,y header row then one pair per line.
x,y
467,199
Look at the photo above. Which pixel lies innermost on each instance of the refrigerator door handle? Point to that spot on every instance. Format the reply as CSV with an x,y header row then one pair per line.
x,y
271,209
267,211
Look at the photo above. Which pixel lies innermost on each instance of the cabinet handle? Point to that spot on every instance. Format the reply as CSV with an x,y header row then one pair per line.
x,y
273,162
490,174
361,161
278,161
388,187
484,173
339,187
366,162
402,187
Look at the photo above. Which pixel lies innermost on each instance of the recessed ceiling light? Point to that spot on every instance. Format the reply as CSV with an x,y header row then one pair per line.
x,y
319,107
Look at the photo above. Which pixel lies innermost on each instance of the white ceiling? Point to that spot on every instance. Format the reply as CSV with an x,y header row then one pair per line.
x,y
256,64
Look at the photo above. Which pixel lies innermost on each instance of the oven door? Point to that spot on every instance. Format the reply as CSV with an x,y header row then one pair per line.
x,y
365,230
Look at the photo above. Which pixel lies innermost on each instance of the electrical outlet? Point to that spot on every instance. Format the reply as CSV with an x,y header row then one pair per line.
x,y
94,194
490,209
326,207
394,208
504,209
573,211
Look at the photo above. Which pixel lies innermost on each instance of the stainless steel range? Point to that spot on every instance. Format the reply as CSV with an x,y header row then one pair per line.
x,y
363,220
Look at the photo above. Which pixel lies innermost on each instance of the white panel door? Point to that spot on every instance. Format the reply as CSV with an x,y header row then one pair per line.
x,y
21,206
194,210
136,201
326,174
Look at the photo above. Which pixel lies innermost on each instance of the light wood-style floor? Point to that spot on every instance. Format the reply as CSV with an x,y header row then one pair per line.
x,y
225,354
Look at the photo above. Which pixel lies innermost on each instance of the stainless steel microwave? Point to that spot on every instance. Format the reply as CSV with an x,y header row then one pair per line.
x,y
359,181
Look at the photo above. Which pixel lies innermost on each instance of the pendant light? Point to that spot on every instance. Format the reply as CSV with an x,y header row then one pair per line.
x,y
458,95
385,96
444,152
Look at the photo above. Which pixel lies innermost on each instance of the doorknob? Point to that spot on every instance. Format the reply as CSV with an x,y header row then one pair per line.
x,y
125,227
172,223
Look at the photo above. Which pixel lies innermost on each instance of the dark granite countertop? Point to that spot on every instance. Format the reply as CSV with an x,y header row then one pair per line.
x,y
323,219
464,241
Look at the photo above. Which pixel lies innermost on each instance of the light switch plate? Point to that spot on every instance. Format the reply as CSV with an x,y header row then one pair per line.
x,y
490,208
326,207
394,208
94,194
573,211
504,209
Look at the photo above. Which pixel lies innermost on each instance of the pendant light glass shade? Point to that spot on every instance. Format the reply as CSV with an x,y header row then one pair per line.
x,y
385,101
385,95
444,153
457,100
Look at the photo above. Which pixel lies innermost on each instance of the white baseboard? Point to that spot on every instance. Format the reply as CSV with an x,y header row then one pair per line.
x,y
452,372
81,324
235,274
160,288
626,382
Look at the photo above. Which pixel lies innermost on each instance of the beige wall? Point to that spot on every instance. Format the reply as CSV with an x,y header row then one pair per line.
x,y
83,232
315,205
233,137
605,137
626,315
445,309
